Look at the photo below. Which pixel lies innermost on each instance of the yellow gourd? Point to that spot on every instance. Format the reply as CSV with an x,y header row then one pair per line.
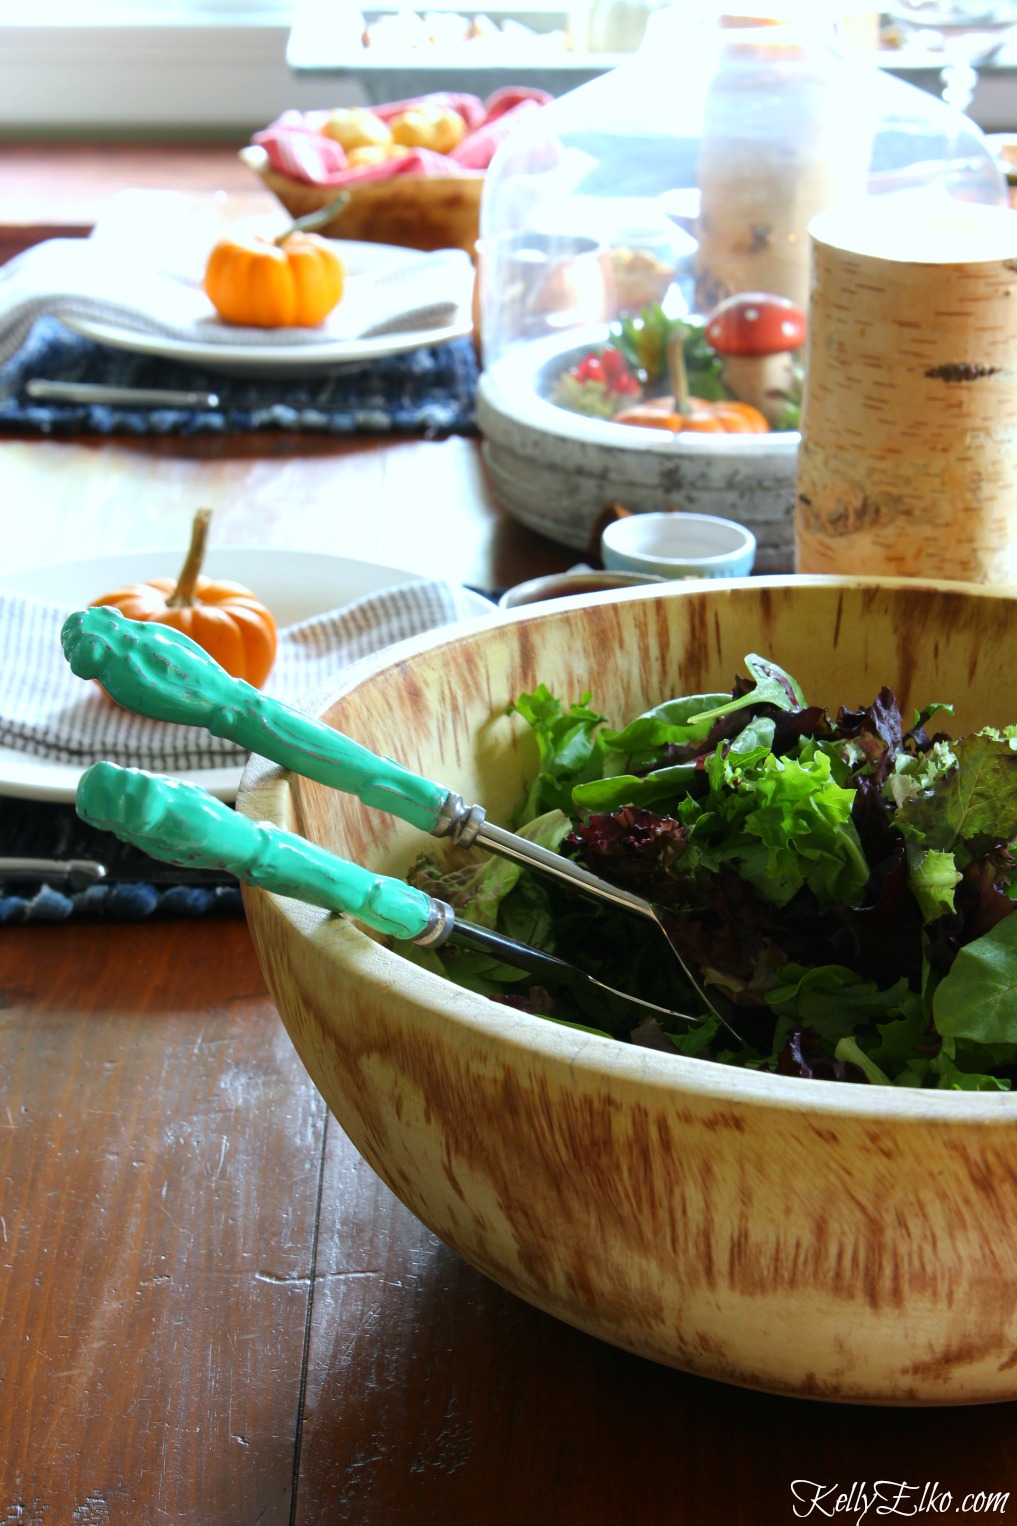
x,y
435,127
375,153
355,127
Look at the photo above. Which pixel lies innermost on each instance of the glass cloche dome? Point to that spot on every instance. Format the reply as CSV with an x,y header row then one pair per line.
x,y
628,231
692,171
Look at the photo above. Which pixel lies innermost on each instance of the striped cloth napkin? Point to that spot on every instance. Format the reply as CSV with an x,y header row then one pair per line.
x,y
47,712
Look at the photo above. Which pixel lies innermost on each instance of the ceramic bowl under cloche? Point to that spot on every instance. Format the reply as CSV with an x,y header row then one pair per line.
x,y
806,1237
557,471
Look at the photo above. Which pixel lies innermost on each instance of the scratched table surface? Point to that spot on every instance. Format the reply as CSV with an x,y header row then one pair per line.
x,y
211,1310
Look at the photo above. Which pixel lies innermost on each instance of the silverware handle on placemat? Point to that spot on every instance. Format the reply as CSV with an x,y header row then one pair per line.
x,y
96,392
77,872
80,872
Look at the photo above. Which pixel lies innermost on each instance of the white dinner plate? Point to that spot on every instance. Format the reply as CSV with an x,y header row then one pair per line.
x,y
294,584
310,357
253,360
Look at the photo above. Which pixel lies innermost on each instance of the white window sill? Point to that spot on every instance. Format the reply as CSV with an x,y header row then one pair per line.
x,y
209,73
220,67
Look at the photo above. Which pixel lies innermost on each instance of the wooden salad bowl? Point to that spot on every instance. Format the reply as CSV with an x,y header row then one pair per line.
x,y
804,1237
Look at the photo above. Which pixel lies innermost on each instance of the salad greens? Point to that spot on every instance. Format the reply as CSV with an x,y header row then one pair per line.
x,y
843,884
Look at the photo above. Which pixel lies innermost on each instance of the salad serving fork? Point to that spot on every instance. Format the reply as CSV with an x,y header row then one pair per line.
x,y
183,824
158,672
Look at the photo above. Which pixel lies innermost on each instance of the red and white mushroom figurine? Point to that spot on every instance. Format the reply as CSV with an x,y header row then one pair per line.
x,y
756,334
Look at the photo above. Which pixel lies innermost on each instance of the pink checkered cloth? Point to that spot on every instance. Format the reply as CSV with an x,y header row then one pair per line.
x,y
296,146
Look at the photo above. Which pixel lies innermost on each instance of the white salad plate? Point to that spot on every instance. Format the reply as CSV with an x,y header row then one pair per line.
x,y
295,585
364,264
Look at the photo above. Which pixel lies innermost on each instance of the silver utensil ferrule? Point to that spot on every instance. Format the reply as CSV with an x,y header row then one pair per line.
x,y
440,925
459,821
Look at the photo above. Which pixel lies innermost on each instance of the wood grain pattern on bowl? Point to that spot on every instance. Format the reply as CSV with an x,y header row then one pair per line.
x,y
841,1242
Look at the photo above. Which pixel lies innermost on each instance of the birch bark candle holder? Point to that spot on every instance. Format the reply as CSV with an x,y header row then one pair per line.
x,y
908,458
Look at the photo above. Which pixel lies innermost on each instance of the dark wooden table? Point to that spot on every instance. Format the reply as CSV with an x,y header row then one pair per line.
x,y
211,1310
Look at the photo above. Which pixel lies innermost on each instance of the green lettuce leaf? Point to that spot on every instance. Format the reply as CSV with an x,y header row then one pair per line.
x,y
669,785
568,745
661,784
917,773
478,887
773,686
783,823
978,797
977,998
850,1052
901,1036
933,876
962,1066
666,724
835,1002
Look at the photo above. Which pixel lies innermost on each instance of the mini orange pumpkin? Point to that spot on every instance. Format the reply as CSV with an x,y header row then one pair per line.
x,y
224,618
683,412
699,416
293,281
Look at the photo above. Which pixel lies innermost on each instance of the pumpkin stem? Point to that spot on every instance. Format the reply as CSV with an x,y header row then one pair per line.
x,y
183,593
314,220
678,373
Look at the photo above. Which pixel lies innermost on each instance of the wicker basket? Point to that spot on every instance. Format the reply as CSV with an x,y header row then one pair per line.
x,y
419,212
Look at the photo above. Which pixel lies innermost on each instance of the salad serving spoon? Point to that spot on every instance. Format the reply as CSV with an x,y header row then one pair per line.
x,y
156,671
183,824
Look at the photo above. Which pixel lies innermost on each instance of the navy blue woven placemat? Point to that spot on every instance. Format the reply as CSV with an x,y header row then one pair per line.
x,y
137,889
430,391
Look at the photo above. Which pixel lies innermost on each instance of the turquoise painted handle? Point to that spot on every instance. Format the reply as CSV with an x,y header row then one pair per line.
x,y
183,824
159,672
